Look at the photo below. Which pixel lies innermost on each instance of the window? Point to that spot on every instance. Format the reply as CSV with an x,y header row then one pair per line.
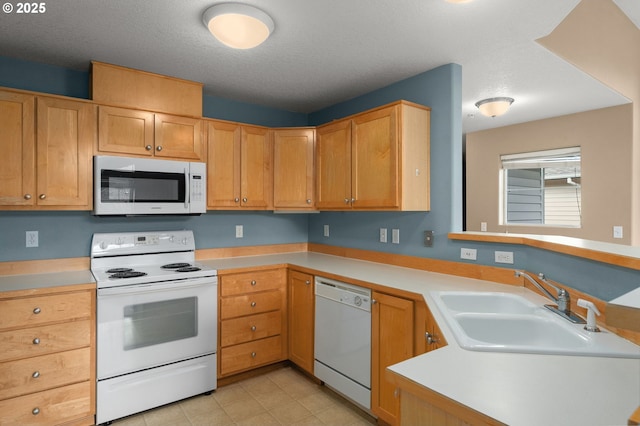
x,y
542,188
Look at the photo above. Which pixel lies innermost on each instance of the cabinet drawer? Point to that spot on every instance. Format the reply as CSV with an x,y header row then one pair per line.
x,y
245,329
250,282
31,311
50,407
249,355
44,372
250,304
22,343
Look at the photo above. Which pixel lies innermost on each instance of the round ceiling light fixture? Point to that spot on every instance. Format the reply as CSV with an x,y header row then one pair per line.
x,y
494,107
238,25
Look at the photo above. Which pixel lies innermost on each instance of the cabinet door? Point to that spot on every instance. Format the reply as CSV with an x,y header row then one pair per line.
x,y
293,183
17,162
333,166
256,174
125,131
179,137
374,159
392,342
301,319
65,139
223,164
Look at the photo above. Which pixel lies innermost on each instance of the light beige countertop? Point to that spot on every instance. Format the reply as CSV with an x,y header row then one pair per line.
x,y
517,389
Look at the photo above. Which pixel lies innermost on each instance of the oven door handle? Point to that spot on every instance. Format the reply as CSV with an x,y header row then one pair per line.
x,y
158,287
187,188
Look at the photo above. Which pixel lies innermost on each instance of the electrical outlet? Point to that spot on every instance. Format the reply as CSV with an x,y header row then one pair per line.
x,y
326,230
383,235
468,253
428,238
395,236
617,232
504,257
32,238
239,231
483,226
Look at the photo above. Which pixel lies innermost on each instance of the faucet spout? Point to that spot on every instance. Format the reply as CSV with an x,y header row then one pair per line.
x,y
563,300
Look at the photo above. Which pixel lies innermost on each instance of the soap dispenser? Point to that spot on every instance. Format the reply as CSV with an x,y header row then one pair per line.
x,y
592,311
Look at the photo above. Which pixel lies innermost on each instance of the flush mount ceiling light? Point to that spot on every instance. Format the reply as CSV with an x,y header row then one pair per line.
x,y
238,25
494,107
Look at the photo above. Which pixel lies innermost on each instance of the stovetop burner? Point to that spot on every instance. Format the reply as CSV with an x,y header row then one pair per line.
x,y
188,269
176,266
116,270
127,274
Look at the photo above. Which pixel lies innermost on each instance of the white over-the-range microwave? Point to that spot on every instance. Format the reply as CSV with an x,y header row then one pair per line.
x,y
140,186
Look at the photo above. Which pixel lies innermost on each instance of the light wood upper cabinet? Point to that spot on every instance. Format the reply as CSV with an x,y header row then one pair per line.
x,y
392,329
65,136
301,319
17,137
293,169
378,160
125,131
239,173
179,137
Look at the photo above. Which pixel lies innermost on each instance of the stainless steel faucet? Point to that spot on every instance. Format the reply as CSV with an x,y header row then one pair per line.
x,y
563,299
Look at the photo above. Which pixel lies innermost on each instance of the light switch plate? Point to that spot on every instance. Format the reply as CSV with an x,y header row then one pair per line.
x,y
383,235
32,238
395,236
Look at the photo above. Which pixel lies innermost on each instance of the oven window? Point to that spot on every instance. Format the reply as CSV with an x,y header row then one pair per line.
x,y
148,324
142,187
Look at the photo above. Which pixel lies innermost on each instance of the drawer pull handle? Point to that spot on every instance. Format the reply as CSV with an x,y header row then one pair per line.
x,y
36,341
253,304
253,328
35,374
253,282
37,311
253,354
35,411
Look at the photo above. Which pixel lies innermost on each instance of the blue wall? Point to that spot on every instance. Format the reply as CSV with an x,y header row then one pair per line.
x,y
68,234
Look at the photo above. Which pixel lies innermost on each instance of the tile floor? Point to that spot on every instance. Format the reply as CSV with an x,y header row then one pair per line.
x,y
281,397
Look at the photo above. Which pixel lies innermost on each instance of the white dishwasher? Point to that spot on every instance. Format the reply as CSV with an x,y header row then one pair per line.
x,y
343,339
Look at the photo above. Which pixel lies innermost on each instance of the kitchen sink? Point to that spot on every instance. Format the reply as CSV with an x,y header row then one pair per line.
x,y
505,322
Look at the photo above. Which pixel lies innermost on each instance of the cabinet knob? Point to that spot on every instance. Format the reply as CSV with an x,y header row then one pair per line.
x,y
244,200
159,148
253,328
353,200
253,304
36,341
431,339
308,200
42,196
35,411
253,354
346,201
307,282
27,196
237,200
374,301
148,147
35,374
36,311
253,282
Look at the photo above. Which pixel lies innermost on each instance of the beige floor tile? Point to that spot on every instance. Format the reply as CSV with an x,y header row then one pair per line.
x,y
230,394
308,421
135,420
214,418
245,409
289,413
273,399
337,415
198,405
167,415
318,400
264,419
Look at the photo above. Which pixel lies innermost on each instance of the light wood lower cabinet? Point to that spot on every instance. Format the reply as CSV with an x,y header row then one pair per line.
x,y
253,320
301,319
47,360
392,340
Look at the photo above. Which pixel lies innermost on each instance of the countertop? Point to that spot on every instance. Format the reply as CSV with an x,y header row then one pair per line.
x,y
517,389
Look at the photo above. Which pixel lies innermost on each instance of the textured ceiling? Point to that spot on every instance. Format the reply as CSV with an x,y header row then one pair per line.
x,y
324,52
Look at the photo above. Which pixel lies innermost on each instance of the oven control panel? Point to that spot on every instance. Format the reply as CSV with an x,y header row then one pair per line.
x,y
124,243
